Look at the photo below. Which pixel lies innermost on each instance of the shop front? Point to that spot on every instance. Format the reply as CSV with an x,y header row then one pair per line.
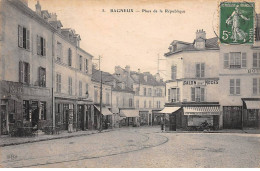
x,y
157,117
144,117
170,118
130,117
199,115
65,113
84,115
105,117
251,113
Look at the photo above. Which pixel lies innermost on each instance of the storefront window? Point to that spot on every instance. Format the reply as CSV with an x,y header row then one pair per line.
x,y
43,110
26,110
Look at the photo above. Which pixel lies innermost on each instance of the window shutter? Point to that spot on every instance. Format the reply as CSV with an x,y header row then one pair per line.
x,y
20,36
202,94
178,94
43,47
244,60
197,70
39,77
202,70
255,60
86,67
21,72
192,94
226,60
258,60
57,82
237,86
28,39
254,86
38,45
28,74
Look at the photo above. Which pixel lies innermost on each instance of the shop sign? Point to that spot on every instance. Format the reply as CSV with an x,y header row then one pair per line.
x,y
253,70
200,82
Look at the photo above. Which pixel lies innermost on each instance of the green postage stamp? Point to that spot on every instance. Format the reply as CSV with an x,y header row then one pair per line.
x,y
237,22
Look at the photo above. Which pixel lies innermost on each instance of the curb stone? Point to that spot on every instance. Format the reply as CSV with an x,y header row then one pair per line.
x,y
54,138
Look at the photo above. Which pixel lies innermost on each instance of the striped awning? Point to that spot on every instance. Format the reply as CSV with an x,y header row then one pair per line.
x,y
207,110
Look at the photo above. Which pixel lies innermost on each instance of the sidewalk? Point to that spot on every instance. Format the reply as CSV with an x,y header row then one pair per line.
x,y
6,140
240,131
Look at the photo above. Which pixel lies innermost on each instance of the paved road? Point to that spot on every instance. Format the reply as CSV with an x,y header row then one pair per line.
x,y
138,147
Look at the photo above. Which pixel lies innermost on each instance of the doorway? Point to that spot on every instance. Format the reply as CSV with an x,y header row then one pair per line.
x,y
35,113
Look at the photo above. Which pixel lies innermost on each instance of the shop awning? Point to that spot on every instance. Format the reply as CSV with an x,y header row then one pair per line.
x,y
129,113
208,110
105,110
169,109
252,104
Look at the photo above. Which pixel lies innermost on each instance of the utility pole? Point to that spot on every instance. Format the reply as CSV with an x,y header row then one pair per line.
x,y
101,92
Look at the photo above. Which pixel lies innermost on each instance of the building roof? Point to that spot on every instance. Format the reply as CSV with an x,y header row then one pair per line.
x,y
150,79
210,44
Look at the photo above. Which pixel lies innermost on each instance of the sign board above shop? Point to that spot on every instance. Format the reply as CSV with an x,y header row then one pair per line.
x,y
200,82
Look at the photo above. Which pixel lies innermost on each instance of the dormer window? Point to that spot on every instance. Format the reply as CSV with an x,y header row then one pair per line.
x,y
200,44
145,78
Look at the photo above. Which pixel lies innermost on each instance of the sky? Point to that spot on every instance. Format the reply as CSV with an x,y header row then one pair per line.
x,y
137,38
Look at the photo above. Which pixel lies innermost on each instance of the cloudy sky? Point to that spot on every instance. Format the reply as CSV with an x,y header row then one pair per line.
x,y
136,38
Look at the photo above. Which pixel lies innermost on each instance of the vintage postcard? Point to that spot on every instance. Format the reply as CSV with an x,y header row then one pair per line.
x,y
129,84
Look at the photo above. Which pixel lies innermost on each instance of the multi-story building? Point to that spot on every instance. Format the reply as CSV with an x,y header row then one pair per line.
x,y
26,67
192,83
102,85
239,84
43,82
149,93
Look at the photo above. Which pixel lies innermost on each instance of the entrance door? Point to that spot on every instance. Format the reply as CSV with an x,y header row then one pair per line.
x,y
35,113
65,116
172,122
232,117
80,122
3,120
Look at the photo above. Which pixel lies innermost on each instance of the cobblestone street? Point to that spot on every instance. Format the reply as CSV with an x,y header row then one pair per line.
x,y
138,147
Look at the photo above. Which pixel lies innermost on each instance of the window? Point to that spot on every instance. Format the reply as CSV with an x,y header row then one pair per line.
x,y
59,51
256,60
80,88
70,86
137,103
198,94
130,102
43,110
23,37
96,96
80,62
158,104
107,98
24,72
87,89
155,93
42,77
26,110
149,92
145,104
235,60
58,83
159,92
150,104
117,101
234,85
86,65
144,91
200,70
41,46
256,86
169,95
174,95
69,57
173,72
137,91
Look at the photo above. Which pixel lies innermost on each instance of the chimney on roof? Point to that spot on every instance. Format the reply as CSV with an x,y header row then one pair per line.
x,y
157,77
53,17
38,8
139,71
200,34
